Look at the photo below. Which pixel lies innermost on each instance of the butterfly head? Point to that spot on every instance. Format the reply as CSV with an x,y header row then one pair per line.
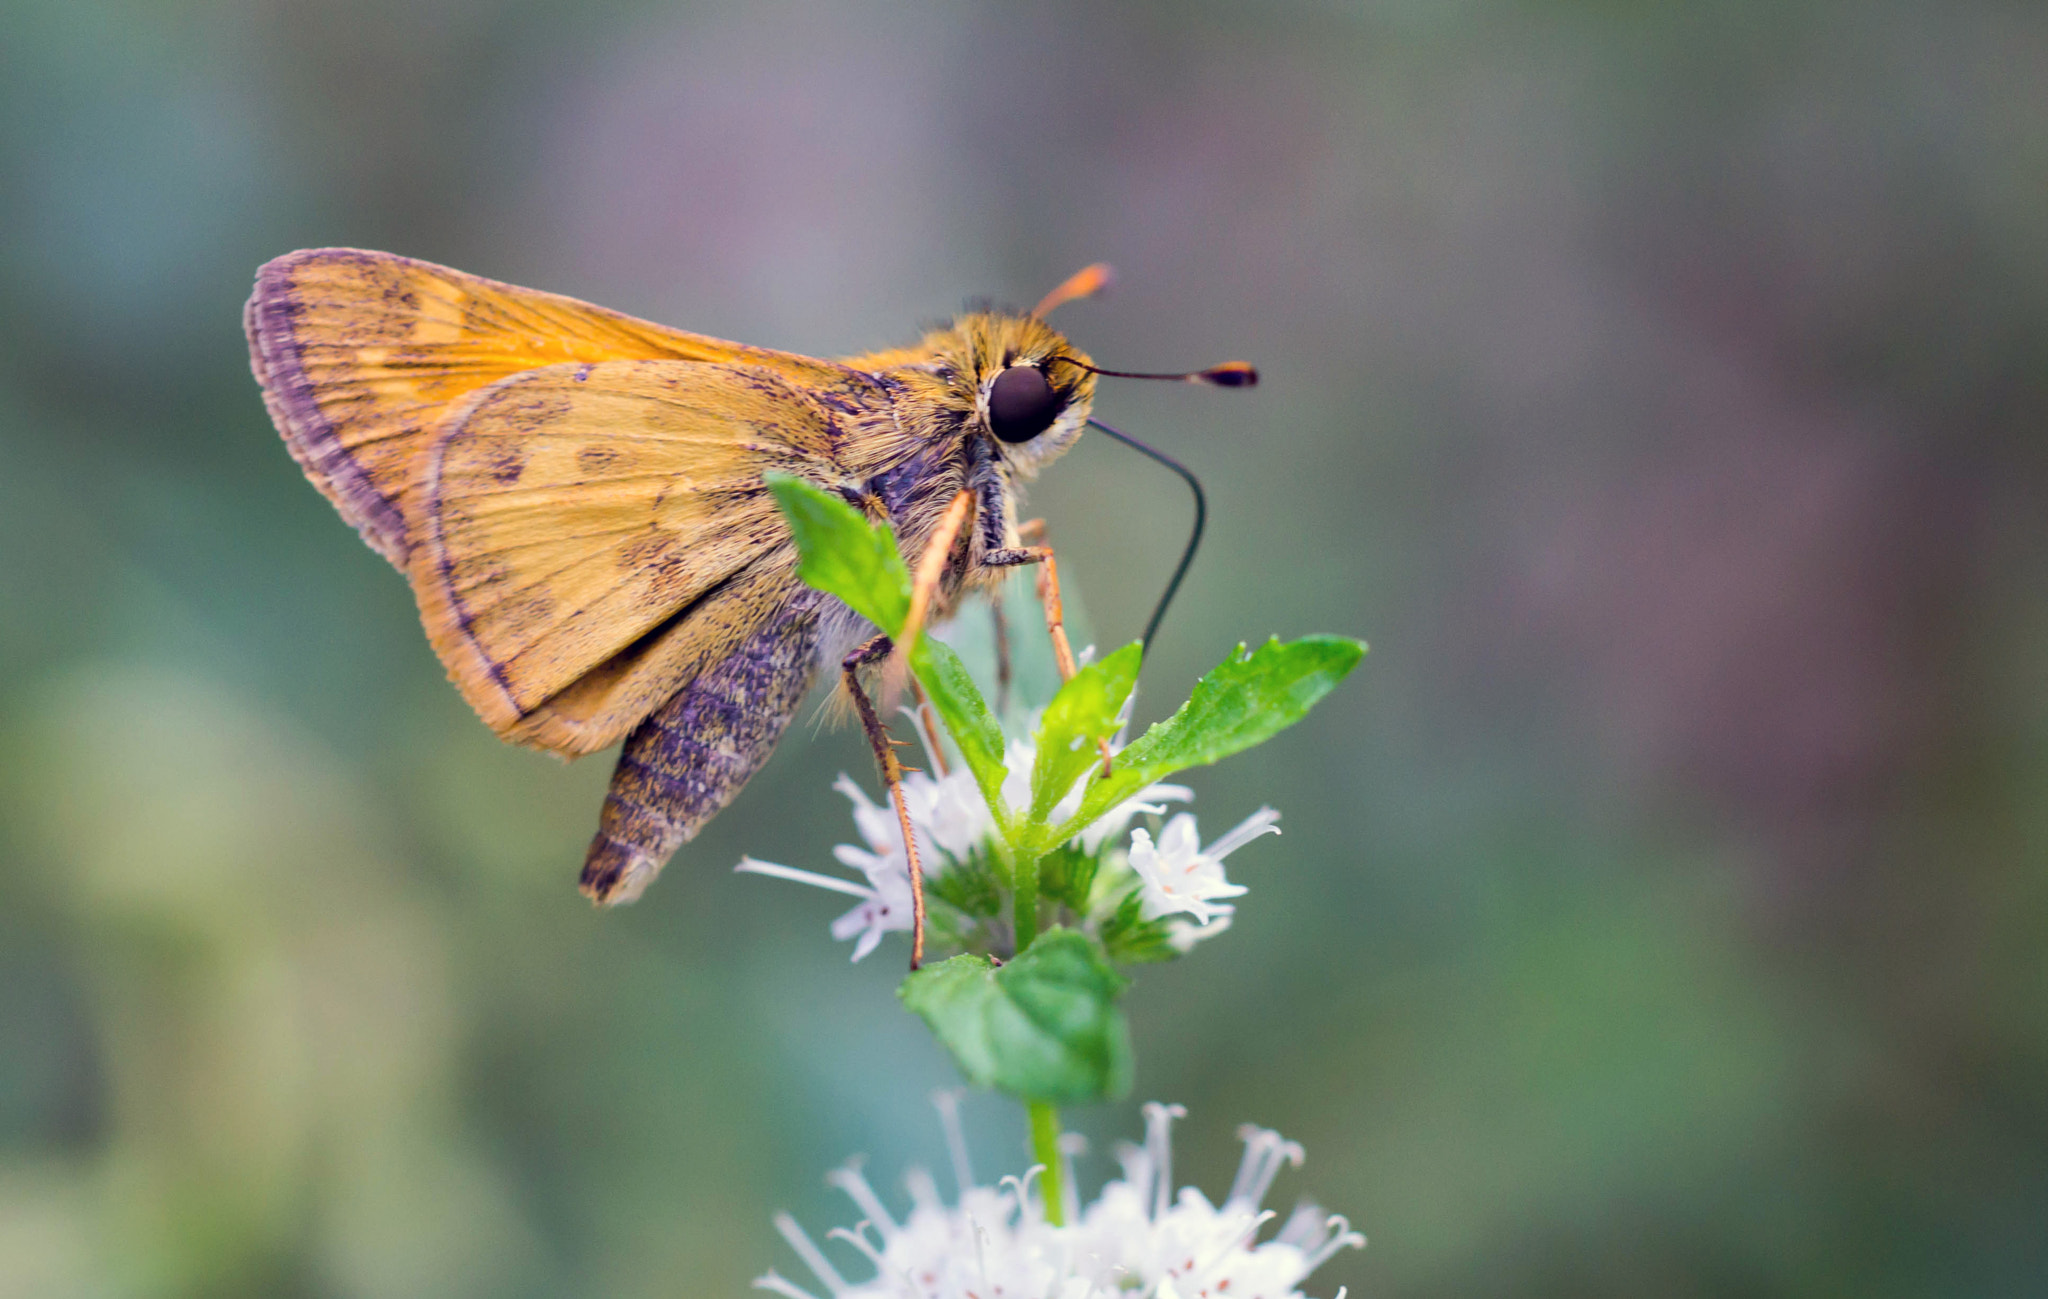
x,y
1012,380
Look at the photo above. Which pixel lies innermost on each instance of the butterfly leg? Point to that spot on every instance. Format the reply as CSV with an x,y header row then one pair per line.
x,y
1048,595
892,776
931,566
682,765
1002,637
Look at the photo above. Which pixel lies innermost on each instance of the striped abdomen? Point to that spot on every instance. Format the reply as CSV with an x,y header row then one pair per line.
x,y
690,757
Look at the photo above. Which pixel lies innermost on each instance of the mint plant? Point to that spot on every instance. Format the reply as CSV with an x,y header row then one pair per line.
x,y
1036,879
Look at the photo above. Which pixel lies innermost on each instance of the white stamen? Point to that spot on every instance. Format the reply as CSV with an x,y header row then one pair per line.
x,y
857,1237
980,1251
813,1257
1264,1151
1136,1163
924,1192
1258,823
750,866
1159,1145
849,1179
948,1102
1070,1145
1021,1188
1342,1238
1242,1239
770,1281
1304,1228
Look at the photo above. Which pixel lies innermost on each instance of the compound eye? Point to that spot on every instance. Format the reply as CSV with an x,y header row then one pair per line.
x,y
1021,404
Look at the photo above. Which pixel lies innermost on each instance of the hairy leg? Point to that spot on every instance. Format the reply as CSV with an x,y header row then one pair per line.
x,y
892,776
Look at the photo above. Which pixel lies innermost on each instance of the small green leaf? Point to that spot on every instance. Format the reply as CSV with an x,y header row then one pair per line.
x,y
843,554
1130,939
1080,716
971,886
1066,874
1045,1027
967,719
1246,700
947,927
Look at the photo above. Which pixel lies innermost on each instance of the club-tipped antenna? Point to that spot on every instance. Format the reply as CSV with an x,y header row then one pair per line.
x,y
1230,374
1084,283
1187,556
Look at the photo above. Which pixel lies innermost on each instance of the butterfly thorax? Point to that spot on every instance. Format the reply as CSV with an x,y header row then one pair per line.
x,y
940,437
943,384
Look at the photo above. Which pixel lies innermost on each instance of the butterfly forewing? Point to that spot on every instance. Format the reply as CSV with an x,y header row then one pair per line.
x,y
360,355
607,522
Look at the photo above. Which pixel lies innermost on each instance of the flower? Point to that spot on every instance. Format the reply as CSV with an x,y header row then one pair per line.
x,y
1181,876
952,822
885,899
947,814
1137,1237
1018,760
1184,934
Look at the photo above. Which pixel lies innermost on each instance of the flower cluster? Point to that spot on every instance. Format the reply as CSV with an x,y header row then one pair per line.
x,y
1154,899
1138,1236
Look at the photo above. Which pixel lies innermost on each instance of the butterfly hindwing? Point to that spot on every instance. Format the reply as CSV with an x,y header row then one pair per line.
x,y
362,354
590,537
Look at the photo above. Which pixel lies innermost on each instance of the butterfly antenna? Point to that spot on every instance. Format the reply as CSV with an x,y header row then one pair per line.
x,y
1230,374
1084,283
1187,556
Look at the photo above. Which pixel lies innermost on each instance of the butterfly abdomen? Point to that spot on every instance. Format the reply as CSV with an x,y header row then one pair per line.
x,y
690,757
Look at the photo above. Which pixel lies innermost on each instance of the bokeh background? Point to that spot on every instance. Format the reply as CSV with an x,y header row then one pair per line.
x,y
1663,907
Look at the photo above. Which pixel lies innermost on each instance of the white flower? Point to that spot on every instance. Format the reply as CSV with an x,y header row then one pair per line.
x,y
1181,876
1136,1238
1022,754
948,813
1184,934
885,899
1111,823
951,822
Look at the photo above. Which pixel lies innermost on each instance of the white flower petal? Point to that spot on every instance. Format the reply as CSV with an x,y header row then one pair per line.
x,y
1177,839
1177,877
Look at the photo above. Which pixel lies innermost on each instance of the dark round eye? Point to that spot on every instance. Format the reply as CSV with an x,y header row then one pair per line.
x,y
1021,404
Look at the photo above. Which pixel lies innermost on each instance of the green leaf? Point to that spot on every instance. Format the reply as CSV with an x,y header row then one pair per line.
x,y
843,554
1246,700
967,719
1045,1027
1067,874
1130,939
971,886
1080,716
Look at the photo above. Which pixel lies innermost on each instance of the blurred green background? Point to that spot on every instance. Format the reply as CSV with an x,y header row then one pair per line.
x,y
1663,907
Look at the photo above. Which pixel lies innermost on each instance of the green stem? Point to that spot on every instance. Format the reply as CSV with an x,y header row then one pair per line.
x,y
1024,903
1045,1148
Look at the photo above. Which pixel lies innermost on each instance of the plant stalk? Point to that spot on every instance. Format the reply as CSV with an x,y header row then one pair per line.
x,y
1024,902
1045,1149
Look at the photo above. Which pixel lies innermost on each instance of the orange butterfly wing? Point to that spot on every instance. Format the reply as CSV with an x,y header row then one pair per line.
x,y
590,537
360,355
